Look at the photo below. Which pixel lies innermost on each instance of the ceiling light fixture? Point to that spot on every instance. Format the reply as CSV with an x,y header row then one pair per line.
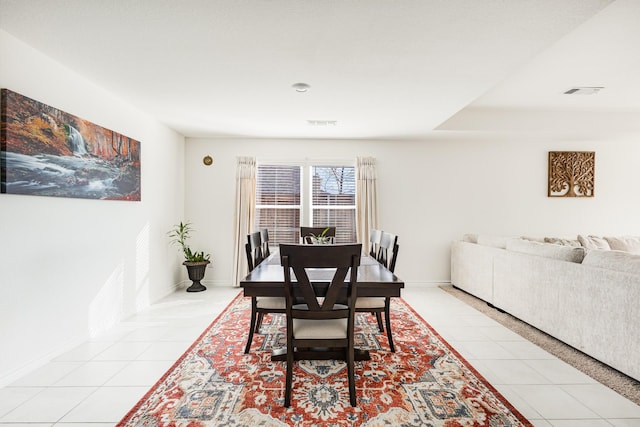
x,y
591,90
301,87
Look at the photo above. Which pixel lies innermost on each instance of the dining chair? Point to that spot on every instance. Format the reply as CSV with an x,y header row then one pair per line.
x,y
264,236
253,248
320,321
307,234
374,242
387,254
259,305
388,251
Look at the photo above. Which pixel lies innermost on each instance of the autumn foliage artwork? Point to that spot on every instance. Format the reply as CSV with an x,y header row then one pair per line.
x,y
571,173
47,152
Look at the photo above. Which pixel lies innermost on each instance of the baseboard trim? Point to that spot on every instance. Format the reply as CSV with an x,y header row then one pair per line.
x,y
32,365
429,284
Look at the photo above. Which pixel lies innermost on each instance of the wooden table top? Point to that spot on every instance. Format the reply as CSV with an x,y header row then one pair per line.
x,y
267,279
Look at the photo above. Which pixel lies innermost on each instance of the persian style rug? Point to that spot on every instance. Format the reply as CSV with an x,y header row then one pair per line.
x,y
424,383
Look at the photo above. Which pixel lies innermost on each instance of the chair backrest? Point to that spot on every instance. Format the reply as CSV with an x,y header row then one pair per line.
x,y
302,298
264,235
253,248
374,242
307,234
388,252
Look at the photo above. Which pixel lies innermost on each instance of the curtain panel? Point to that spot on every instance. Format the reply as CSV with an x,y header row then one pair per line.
x,y
366,199
244,214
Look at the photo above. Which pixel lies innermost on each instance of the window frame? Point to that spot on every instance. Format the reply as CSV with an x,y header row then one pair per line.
x,y
306,190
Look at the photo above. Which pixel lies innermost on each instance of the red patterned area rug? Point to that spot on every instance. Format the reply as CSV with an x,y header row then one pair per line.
x,y
425,383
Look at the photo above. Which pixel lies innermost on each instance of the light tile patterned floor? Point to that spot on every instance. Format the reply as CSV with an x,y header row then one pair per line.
x,y
95,384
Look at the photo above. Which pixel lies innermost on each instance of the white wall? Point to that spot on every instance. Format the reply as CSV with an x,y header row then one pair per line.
x,y
70,268
432,192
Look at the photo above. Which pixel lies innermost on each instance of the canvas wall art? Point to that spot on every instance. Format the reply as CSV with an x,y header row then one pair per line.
x,y
47,152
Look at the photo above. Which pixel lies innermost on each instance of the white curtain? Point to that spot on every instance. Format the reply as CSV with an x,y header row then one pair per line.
x,y
366,199
244,214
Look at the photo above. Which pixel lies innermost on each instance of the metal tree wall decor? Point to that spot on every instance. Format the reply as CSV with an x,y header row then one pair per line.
x,y
571,173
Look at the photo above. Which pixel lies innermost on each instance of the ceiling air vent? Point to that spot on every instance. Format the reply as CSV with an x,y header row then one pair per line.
x,y
583,90
322,122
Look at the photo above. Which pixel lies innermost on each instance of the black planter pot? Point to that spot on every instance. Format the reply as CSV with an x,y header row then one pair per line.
x,y
196,272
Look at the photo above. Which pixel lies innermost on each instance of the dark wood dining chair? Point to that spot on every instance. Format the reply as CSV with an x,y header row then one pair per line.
x,y
374,242
259,305
388,251
320,321
264,236
387,254
307,234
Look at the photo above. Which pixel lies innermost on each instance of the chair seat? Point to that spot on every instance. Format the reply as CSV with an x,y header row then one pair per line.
x,y
271,303
320,329
370,302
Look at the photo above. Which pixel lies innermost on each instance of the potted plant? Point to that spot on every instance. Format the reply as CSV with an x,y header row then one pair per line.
x,y
322,238
196,262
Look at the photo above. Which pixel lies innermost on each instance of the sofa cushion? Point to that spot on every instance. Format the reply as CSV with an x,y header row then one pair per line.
x,y
624,243
495,241
613,260
548,250
593,242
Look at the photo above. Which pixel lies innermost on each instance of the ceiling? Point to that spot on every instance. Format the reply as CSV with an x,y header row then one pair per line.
x,y
378,69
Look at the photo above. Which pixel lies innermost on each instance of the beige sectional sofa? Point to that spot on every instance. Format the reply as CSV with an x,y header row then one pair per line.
x,y
584,291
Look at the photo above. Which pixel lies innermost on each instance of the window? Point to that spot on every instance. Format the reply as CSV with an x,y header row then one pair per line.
x,y
278,202
288,196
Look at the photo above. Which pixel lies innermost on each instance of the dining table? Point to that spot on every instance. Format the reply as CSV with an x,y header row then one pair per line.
x,y
267,280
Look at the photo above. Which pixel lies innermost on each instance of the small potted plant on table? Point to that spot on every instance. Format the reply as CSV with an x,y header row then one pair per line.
x,y
196,262
322,238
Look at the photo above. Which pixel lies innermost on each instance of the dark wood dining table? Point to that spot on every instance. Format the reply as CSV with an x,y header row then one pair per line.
x,y
267,280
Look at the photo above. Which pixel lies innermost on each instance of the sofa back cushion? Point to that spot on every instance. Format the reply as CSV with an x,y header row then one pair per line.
x,y
548,250
613,260
495,241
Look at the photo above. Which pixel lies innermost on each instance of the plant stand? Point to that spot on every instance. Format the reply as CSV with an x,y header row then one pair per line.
x,y
196,272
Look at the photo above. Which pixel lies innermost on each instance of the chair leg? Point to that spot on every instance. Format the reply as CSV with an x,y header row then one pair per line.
x,y
387,318
350,373
379,318
289,377
251,330
259,323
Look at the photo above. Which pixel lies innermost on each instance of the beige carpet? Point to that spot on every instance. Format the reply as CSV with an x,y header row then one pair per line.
x,y
617,381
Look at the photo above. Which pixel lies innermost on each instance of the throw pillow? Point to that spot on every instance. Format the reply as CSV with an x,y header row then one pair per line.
x,y
563,242
593,242
624,243
470,238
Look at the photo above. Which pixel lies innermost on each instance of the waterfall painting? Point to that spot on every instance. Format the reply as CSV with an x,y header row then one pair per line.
x,y
47,152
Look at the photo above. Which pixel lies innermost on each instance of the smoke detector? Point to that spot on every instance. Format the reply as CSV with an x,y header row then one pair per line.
x,y
301,87
584,90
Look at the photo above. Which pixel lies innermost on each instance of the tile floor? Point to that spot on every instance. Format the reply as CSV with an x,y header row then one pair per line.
x,y
96,384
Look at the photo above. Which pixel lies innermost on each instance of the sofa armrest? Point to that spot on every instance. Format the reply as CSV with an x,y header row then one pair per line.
x,y
472,268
